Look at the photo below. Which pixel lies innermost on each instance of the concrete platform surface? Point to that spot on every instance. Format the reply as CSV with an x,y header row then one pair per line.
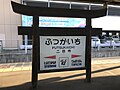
x,y
105,76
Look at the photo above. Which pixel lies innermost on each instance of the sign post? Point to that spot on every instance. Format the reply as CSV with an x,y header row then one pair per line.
x,y
88,50
35,55
54,50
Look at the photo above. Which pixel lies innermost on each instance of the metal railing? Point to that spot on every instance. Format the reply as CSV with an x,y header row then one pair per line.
x,y
14,51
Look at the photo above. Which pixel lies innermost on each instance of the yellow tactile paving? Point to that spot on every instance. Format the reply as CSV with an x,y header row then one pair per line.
x,y
1,70
30,68
28,65
8,70
4,66
25,68
17,69
105,60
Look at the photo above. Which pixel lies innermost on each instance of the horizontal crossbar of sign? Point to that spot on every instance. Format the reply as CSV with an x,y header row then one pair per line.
x,y
60,70
112,31
57,12
55,31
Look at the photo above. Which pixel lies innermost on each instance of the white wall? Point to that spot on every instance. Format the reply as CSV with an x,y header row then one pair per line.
x,y
107,22
9,22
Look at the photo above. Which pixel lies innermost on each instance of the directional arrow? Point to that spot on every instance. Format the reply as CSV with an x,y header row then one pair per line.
x,y
74,56
51,57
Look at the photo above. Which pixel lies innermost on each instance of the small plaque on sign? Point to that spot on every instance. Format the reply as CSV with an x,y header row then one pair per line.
x,y
63,62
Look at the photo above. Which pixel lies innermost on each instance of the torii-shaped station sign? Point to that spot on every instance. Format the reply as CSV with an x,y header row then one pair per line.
x,y
36,32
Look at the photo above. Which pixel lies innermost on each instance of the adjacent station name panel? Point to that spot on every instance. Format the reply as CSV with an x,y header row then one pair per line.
x,y
62,52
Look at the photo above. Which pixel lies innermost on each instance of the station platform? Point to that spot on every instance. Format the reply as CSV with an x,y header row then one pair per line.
x,y
105,76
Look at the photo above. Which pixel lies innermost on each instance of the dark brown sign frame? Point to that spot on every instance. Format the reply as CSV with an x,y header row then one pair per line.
x,y
37,31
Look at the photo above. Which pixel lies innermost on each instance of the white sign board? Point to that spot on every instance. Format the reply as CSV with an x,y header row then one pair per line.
x,y
62,52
